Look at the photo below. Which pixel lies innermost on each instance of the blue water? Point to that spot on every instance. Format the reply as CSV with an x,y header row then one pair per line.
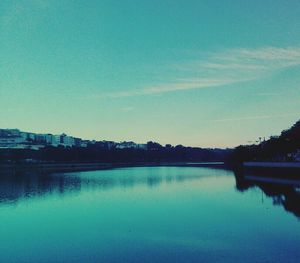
x,y
156,214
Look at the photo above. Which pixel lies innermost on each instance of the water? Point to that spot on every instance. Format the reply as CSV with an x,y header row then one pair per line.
x,y
157,214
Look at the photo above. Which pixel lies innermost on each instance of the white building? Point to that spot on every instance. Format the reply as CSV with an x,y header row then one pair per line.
x,y
11,142
142,146
68,141
126,145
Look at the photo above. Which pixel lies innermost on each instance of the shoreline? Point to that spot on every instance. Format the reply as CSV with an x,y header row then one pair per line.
x,y
283,165
73,167
272,169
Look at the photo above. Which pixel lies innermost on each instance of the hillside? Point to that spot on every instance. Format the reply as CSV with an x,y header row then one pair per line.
x,y
285,147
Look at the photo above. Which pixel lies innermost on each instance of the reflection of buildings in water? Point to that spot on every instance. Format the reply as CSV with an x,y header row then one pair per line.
x,y
286,195
19,186
25,185
15,186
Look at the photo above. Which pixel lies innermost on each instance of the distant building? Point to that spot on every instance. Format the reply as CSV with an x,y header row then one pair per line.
x,y
68,141
63,140
24,135
12,138
11,142
127,145
77,142
9,133
142,146
49,139
57,140
108,144
40,138
30,136
84,143
16,139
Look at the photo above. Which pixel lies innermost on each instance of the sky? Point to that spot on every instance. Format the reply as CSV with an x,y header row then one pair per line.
x,y
197,73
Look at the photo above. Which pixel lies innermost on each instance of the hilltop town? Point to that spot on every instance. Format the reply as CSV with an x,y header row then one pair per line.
x,y
19,146
16,139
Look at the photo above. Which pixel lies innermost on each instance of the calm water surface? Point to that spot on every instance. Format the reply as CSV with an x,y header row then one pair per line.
x,y
157,214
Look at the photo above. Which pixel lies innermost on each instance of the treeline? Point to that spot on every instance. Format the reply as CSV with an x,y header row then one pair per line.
x,y
98,153
285,147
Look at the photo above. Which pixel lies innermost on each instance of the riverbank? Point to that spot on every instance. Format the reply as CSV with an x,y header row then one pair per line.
x,y
284,165
70,167
275,169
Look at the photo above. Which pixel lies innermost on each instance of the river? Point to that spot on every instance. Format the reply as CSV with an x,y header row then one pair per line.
x,y
147,214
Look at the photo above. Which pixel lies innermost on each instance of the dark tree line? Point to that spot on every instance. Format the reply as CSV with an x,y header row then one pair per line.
x,y
100,153
285,147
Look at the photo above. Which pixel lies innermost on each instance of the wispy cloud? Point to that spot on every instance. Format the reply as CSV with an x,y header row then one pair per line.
x,y
258,117
220,69
186,84
269,94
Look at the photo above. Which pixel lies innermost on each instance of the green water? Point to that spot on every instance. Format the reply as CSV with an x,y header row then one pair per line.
x,y
155,214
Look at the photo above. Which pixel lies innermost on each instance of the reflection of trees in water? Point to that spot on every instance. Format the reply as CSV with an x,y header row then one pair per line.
x,y
24,185
284,195
15,186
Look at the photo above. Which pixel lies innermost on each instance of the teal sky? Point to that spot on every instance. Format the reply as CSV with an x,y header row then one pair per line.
x,y
199,73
